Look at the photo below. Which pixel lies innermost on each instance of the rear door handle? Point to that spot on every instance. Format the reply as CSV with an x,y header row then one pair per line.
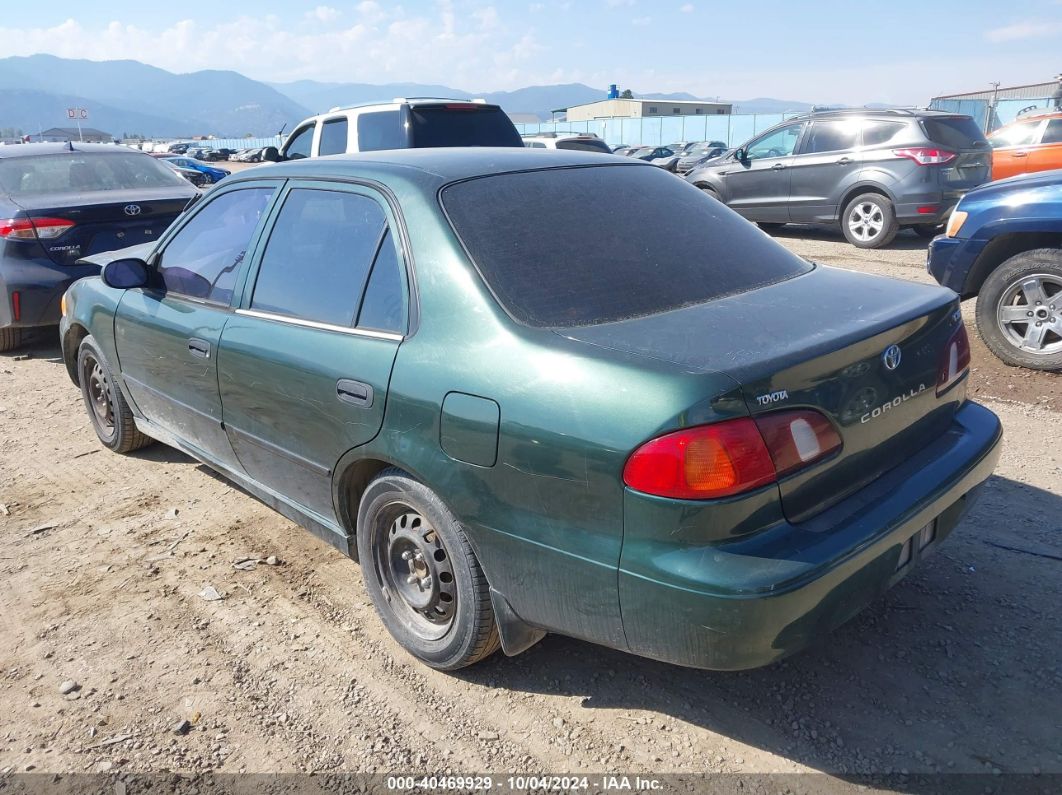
x,y
198,347
354,392
844,161
777,166
1020,154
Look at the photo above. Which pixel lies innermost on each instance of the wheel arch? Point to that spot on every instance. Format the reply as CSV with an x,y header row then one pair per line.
x,y
1002,248
71,341
858,190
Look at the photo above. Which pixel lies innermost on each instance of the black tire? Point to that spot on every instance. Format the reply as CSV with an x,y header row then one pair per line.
x,y
111,418
448,623
928,231
710,192
1009,287
769,227
877,221
10,338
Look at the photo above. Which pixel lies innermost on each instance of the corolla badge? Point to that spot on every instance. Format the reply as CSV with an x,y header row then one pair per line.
x,y
891,357
131,209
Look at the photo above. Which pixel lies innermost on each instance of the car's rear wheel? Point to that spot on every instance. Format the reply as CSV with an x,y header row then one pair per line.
x,y
108,410
710,192
1019,310
869,221
10,338
422,574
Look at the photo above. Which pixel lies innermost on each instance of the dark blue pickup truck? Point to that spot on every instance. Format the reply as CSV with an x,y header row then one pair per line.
x,y
1003,244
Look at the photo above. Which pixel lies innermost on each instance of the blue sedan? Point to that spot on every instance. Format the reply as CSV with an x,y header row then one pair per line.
x,y
213,173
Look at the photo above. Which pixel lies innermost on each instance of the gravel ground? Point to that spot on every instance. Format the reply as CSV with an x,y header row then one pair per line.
x,y
111,659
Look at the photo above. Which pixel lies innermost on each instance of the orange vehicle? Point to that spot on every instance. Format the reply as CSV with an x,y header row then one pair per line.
x,y
1031,143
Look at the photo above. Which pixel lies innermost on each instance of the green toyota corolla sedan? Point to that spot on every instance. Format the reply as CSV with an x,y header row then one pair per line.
x,y
545,392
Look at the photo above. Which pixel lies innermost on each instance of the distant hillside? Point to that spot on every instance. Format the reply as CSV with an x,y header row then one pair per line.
x,y
131,96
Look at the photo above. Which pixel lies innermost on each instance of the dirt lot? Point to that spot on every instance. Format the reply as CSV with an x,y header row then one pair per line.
x,y
957,670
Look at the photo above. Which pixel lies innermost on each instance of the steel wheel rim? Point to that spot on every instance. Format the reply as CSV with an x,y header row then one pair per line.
x,y
99,395
866,221
415,571
1029,314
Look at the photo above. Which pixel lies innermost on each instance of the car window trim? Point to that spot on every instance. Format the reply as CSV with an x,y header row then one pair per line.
x,y
298,321
295,134
395,221
153,260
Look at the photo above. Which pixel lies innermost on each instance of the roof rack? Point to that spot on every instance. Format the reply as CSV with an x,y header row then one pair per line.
x,y
555,133
400,100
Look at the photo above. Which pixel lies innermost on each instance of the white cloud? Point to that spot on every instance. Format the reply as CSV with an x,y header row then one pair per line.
x,y
324,14
687,8
477,50
1024,30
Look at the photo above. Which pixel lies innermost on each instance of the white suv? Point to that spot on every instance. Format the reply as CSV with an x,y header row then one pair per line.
x,y
405,123
583,142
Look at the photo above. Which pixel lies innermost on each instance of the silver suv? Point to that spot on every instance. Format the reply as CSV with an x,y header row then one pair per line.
x,y
403,123
870,171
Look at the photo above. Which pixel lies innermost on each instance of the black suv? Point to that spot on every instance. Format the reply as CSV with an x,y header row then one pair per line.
x,y
872,171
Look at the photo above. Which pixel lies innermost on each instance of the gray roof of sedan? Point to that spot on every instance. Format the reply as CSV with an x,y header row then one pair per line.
x,y
27,150
447,164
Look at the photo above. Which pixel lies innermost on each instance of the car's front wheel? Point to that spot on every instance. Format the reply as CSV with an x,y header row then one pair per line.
x,y
111,417
10,338
1019,310
869,221
422,574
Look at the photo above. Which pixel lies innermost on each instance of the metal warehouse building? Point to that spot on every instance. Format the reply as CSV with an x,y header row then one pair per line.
x,y
994,107
639,108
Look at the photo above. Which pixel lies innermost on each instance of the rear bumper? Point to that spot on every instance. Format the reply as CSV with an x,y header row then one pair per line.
x,y
40,286
949,260
749,602
907,213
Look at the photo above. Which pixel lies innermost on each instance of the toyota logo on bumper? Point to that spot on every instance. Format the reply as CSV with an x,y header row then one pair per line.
x,y
132,209
891,357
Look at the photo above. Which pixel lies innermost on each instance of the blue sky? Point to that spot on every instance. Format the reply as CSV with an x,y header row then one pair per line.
x,y
822,51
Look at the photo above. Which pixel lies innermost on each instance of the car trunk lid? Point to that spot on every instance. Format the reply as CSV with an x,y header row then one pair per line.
x,y
102,220
972,165
817,342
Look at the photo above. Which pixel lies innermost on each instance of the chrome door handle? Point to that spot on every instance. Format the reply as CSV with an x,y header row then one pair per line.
x,y
777,166
844,161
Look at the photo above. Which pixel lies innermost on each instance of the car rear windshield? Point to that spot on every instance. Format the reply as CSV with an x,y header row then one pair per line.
x,y
954,132
462,124
76,172
587,245
585,145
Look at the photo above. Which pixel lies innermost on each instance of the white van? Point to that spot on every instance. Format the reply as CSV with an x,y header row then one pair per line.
x,y
583,142
404,123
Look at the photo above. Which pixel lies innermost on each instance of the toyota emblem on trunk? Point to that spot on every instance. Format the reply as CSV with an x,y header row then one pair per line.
x,y
891,357
132,209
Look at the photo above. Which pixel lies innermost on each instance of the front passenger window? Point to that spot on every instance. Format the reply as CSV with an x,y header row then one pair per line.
x,y
300,144
780,143
203,259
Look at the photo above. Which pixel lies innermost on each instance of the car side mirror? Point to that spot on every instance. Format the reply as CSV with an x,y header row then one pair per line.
x,y
124,274
740,155
271,155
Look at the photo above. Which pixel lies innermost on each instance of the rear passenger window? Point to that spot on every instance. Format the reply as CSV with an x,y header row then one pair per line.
x,y
1053,133
333,137
879,133
380,130
832,136
318,256
384,306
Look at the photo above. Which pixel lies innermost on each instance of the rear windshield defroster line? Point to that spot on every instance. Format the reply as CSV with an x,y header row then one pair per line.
x,y
564,247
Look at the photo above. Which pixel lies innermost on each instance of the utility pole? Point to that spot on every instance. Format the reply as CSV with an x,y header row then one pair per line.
x,y
992,106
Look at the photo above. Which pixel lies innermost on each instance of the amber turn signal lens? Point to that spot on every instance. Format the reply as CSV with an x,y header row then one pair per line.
x,y
62,305
955,222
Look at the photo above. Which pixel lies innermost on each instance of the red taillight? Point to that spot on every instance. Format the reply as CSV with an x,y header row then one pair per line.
x,y
702,463
462,106
33,228
955,361
925,155
797,439
16,306
730,457
928,209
